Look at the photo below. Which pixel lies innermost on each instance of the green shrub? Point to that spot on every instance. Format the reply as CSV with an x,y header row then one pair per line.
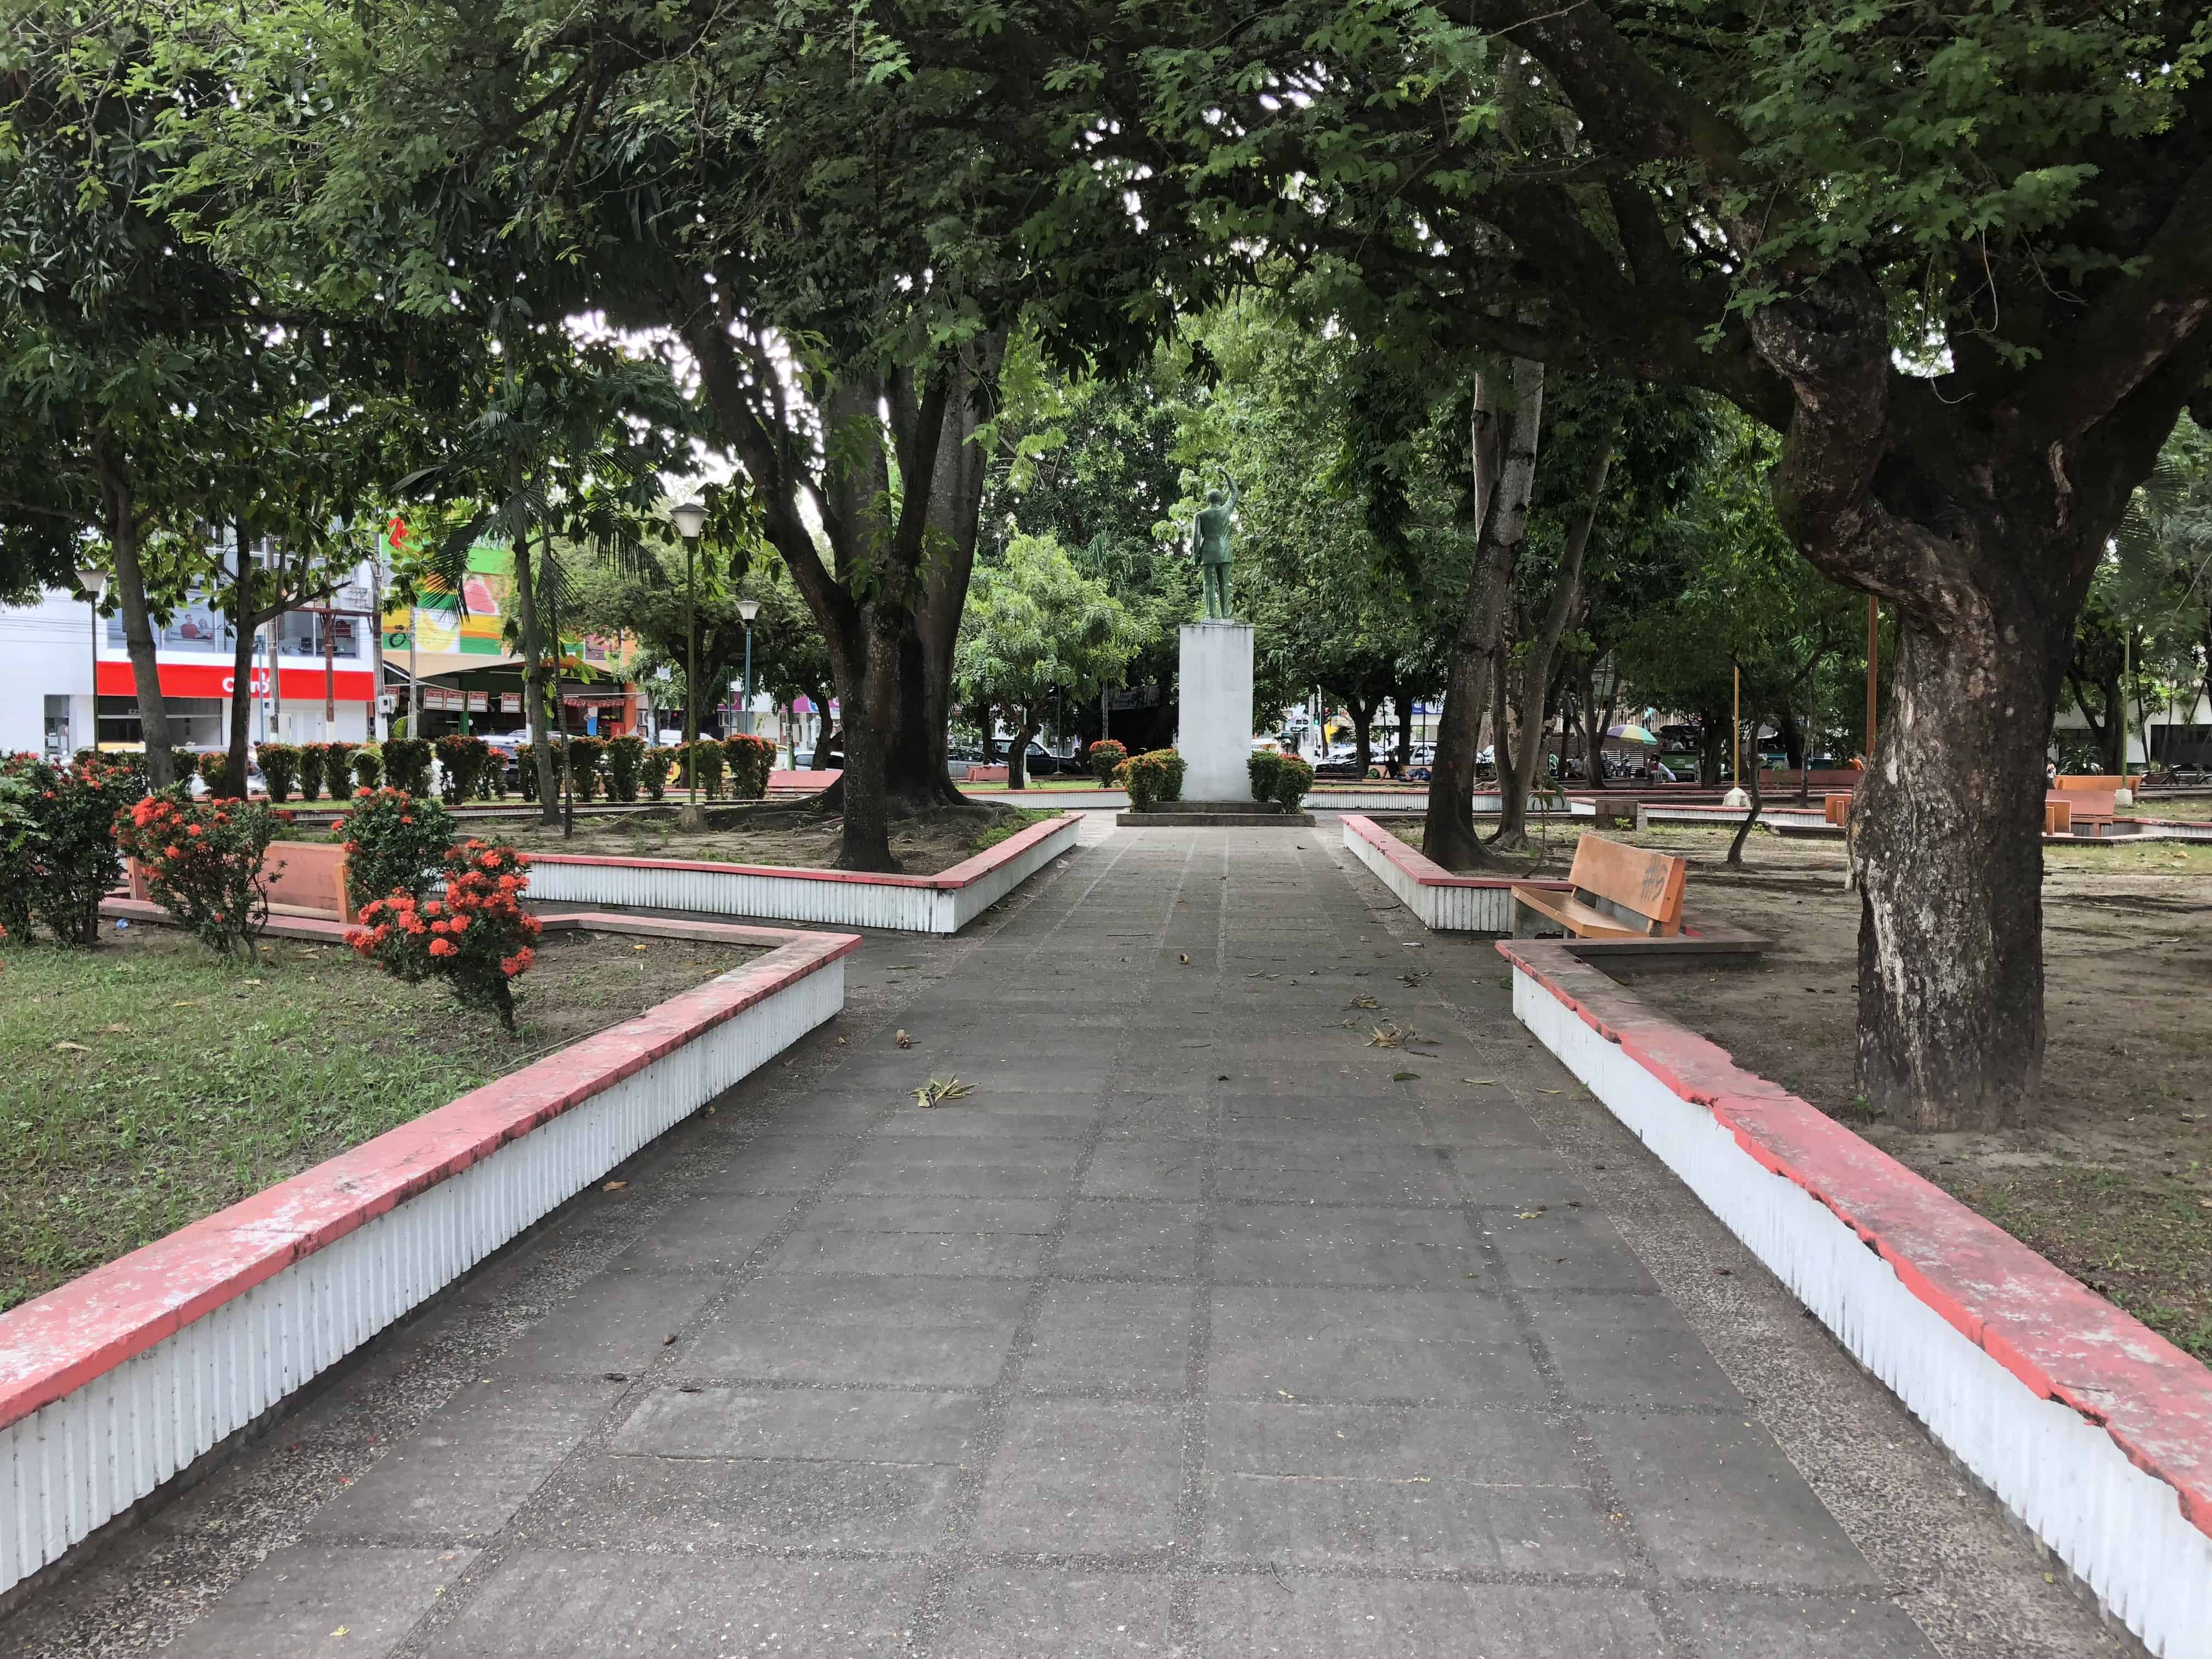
x,y
59,856
407,763
525,768
461,755
624,756
184,764
586,766
215,772
1264,767
367,766
1282,779
280,770
395,842
310,770
1155,776
337,769
751,760
202,864
1106,757
652,772
710,760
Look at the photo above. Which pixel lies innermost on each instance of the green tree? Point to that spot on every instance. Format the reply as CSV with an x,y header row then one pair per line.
x,y
1037,626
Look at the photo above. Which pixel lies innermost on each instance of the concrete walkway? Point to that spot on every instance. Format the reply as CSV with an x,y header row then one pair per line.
x,y
1204,1326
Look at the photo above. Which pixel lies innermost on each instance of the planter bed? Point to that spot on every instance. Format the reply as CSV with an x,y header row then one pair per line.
x,y
944,902
2095,1431
119,1380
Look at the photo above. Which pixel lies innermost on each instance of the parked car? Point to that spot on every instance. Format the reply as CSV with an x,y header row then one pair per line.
x,y
1039,761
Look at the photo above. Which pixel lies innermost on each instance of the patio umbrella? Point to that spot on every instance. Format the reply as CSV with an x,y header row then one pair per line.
x,y
1629,733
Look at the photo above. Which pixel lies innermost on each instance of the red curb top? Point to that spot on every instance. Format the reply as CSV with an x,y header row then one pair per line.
x,y
960,875
85,1328
2061,1340
1425,870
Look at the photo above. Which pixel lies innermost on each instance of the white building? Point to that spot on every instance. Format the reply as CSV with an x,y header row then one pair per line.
x,y
57,660
2179,732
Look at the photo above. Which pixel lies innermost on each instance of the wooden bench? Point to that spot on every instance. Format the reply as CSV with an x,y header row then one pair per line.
x,y
1646,886
1836,809
2090,809
2071,783
301,878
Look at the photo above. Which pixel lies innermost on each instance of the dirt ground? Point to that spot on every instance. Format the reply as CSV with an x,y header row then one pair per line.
x,y
785,836
2112,1179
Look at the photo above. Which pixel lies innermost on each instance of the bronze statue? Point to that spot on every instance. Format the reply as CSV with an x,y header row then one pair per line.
x,y
1209,544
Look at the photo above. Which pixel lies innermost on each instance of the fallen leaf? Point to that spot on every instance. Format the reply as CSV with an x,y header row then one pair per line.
x,y
637,947
184,1005
614,1186
903,967
1529,1215
1363,1002
903,1041
668,1340
933,1092
1183,956
341,1630
1412,980
1547,1091
250,981
1481,1082
1403,1077
71,1048
125,1030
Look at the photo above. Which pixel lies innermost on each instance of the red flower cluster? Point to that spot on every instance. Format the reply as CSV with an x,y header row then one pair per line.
x,y
476,936
203,863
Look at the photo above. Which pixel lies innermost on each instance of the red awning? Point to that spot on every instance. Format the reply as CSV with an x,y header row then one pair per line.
x,y
213,679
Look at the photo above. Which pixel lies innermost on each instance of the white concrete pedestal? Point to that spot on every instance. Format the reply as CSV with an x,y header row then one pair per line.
x,y
1214,733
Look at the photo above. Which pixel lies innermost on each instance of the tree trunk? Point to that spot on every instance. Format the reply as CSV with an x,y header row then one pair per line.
x,y
1363,732
1504,473
137,629
1713,751
533,684
1510,782
1401,701
2115,733
1017,757
1751,817
1536,661
241,665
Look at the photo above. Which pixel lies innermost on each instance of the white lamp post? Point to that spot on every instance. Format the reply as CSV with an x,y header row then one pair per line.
x,y
748,609
93,581
691,520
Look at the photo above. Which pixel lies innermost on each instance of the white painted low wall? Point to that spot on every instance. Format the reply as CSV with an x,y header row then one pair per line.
x,y
2121,1530
1442,909
79,1460
843,899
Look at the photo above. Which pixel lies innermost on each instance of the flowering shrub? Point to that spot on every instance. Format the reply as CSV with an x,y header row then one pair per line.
x,y
280,770
407,764
1106,756
395,842
58,852
1155,776
202,861
215,772
461,756
586,762
1282,779
367,764
477,937
624,756
751,761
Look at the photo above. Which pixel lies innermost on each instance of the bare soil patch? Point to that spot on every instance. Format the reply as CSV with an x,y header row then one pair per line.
x,y
787,835
2111,1177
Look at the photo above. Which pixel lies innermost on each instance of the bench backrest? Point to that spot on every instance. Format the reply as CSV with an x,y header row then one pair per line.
x,y
1648,884
2075,785
2087,803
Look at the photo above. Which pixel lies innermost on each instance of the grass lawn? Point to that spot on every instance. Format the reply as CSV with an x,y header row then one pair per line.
x,y
150,1082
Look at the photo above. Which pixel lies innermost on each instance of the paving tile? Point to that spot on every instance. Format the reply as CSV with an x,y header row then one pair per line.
x,y
1336,1173
1267,1617
1517,1177
776,1161
1366,1486
1277,1244
1714,1498
1083,1477
1563,1248
1750,1625
711,1235
1022,1612
1021,1116
1001,1167
1146,1168
986,1237
802,1423
471,1464
323,1601
616,1322
1443,1348
1118,1336
806,1327
598,1605
1131,1240
1628,1352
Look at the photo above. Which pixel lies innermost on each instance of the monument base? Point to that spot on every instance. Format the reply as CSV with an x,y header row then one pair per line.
x,y
1214,733
1213,815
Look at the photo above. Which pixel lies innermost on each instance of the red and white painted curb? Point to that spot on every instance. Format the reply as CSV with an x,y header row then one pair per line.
x,y
2094,1428
1444,902
114,1382
942,903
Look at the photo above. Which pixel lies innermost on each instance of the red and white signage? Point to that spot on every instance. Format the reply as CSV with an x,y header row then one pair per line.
x,y
211,679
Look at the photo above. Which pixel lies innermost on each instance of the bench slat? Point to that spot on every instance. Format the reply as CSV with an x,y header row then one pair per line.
x,y
1648,883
